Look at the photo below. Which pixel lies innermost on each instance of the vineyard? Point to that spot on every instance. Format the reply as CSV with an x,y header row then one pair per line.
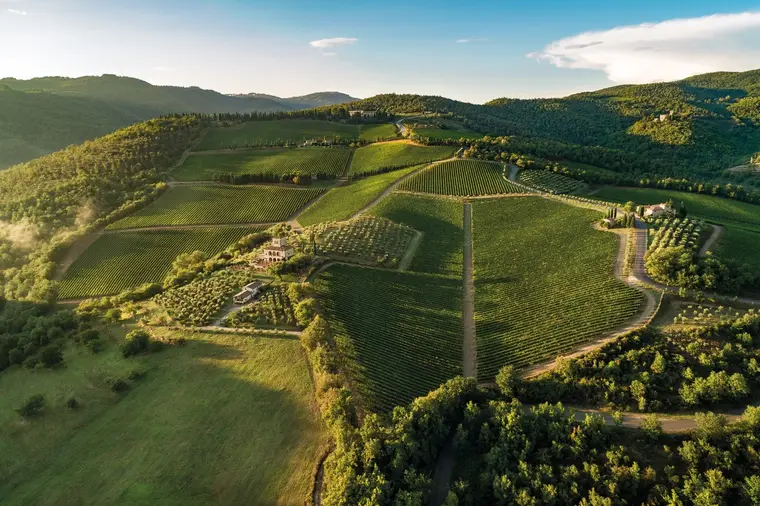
x,y
344,201
440,221
382,131
273,308
381,157
671,232
117,261
366,239
270,163
740,245
441,133
208,204
196,303
272,133
550,182
406,329
462,178
543,282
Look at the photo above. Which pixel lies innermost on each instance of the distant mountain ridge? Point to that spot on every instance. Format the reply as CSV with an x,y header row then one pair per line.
x,y
42,115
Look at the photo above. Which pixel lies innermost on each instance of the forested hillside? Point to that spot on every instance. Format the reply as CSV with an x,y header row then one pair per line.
x,y
47,202
39,116
699,126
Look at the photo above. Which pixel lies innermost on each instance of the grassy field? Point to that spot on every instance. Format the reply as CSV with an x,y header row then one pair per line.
x,y
441,222
380,131
406,329
461,178
263,133
551,182
715,209
593,169
543,281
201,427
342,202
441,133
207,204
276,161
740,245
117,261
397,154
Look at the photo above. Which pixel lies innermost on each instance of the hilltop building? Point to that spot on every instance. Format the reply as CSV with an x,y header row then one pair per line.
x,y
659,210
278,251
666,117
248,293
359,113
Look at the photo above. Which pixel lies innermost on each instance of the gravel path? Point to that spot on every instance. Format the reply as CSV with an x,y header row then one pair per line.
x,y
717,233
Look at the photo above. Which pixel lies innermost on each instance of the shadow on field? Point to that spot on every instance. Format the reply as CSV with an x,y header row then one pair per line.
x,y
209,423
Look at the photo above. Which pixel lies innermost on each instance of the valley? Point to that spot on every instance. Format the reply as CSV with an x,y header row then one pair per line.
x,y
316,306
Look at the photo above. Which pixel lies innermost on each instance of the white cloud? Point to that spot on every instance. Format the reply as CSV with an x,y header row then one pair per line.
x,y
17,12
335,41
467,41
668,50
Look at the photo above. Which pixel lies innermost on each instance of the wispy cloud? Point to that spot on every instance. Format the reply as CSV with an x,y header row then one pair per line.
x,y
18,12
467,41
668,50
335,41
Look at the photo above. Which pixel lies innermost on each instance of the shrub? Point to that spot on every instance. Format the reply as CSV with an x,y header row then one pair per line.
x,y
32,406
95,346
507,380
710,425
51,356
136,374
136,342
652,427
117,385
72,404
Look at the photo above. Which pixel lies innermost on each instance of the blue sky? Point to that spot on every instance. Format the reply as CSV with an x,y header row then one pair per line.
x,y
475,50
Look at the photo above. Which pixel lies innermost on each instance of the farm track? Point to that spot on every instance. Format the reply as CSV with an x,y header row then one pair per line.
x,y
717,233
395,185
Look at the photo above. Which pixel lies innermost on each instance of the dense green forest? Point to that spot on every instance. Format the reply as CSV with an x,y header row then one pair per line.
x,y
697,127
46,203
40,116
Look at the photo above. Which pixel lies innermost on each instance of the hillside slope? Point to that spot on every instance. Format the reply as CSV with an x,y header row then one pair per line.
x,y
715,120
39,116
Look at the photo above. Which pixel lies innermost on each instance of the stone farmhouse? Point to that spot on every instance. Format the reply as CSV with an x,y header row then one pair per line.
x,y
362,114
278,251
659,210
249,292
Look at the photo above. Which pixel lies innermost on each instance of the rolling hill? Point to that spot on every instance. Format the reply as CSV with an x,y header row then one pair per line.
x,y
713,126
39,116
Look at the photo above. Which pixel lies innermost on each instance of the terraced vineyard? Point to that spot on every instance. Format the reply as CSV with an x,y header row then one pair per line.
x,y
543,282
344,201
117,261
268,133
385,156
272,162
209,204
406,329
462,178
366,239
550,182
441,222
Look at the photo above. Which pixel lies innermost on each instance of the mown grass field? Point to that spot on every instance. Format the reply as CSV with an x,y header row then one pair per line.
x,y
406,329
544,281
381,131
120,260
462,178
389,155
208,204
442,223
342,202
551,182
201,427
262,133
276,161
715,209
